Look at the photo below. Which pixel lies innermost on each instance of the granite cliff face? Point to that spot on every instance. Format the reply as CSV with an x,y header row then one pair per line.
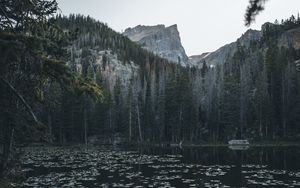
x,y
287,39
161,40
290,38
109,66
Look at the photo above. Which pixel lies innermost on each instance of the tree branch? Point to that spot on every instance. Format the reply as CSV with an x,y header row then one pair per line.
x,y
21,99
253,9
9,21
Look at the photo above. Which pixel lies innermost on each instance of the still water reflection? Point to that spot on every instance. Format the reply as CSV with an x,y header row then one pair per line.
x,y
162,167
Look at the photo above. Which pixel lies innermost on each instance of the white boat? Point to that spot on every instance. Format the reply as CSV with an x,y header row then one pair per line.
x,y
238,142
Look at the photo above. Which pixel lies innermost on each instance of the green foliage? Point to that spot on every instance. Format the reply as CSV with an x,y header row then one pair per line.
x,y
25,15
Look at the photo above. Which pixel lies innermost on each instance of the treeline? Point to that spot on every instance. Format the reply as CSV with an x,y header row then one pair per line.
x,y
272,31
260,97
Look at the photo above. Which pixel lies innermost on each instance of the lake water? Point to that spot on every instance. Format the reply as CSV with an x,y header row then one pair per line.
x,y
161,167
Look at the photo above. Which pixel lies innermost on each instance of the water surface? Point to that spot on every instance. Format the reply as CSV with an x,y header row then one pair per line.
x,y
161,167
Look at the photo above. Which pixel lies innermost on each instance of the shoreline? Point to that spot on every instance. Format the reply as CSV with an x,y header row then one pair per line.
x,y
168,145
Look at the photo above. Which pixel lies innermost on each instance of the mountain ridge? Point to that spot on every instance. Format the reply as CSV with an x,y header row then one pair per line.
x,y
220,55
157,39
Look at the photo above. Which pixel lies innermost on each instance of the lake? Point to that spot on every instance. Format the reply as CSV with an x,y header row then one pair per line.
x,y
161,167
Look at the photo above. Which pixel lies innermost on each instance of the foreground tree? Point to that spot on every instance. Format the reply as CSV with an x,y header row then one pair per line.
x,y
32,57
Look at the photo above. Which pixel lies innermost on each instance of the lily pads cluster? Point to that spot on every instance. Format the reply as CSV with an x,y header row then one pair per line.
x,y
274,178
111,167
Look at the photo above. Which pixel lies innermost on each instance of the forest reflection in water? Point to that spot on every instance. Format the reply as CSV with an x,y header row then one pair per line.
x,y
162,167
252,167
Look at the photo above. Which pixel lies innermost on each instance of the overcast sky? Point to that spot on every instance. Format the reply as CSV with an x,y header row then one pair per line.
x,y
204,25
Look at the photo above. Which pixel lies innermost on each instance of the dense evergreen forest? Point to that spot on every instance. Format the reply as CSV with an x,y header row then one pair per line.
x,y
75,80
254,94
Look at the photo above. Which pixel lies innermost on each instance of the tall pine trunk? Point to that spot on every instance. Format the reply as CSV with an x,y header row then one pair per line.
x,y
129,126
49,119
85,120
7,146
139,122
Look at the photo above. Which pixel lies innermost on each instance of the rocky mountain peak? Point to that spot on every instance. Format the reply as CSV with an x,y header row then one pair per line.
x,y
220,55
161,40
266,25
249,36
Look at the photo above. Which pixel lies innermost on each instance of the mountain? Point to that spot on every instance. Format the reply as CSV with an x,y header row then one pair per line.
x,y
287,38
220,55
165,42
161,40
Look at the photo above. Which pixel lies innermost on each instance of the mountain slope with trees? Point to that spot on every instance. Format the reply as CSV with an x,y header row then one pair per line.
x,y
253,94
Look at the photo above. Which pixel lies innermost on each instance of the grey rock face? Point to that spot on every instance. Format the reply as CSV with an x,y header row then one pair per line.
x,y
110,67
287,39
194,59
222,54
290,38
161,40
